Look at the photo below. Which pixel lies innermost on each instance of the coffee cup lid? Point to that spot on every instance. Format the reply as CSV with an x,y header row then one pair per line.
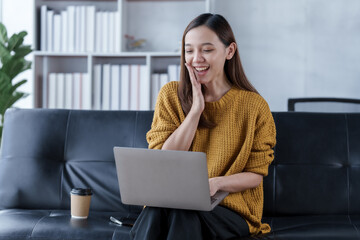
x,y
81,191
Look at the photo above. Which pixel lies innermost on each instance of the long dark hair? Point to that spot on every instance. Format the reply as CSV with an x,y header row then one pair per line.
x,y
233,67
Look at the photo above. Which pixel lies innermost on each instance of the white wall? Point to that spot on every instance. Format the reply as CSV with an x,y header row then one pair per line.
x,y
302,48
161,25
17,15
289,48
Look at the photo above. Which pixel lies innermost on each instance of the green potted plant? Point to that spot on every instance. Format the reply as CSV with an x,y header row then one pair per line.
x,y
12,57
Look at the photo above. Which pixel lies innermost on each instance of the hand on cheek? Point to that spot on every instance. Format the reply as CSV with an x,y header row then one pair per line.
x,y
198,98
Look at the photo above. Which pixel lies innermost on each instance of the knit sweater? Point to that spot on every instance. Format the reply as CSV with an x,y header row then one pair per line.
x,y
242,141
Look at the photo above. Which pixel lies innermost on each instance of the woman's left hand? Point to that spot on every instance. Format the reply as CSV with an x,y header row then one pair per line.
x,y
235,183
214,184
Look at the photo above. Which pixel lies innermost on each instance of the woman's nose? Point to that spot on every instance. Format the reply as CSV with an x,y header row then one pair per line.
x,y
198,57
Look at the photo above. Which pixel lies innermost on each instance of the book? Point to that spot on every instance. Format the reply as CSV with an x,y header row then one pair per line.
x,y
115,87
77,28
134,86
117,32
155,87
106,93
57,33
64,31
60,88
111,32
144,88
125,87
86,91
164,78
83,27
43,28
90,28
52,90
71,28
98,32
68,90
173,72
50,30
105,31
77,93
97,87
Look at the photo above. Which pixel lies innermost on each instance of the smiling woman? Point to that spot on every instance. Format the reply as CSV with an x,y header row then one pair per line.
x,y
213,109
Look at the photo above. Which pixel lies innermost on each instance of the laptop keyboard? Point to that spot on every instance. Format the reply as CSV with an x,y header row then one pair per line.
x,y
212,199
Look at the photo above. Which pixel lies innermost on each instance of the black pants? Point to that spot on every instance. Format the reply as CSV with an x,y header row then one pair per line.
x,y
172,224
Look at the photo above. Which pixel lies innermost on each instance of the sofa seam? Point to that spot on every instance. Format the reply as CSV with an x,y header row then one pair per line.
x,y
65,149
113,235
61,182
348,164
354,226
66,133
32,231
274,235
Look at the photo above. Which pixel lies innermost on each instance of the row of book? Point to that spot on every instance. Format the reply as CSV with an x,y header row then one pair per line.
x,y
125,87
80,29
68,90
114,87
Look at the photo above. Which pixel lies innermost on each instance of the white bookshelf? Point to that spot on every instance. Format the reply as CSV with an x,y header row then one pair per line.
x,y
161,23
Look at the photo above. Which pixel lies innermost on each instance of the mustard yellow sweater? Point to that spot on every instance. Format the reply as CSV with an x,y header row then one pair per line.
x,y
242,141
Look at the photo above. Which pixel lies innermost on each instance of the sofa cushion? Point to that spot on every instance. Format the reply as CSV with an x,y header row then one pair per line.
x,y
316,169
57,224
48,152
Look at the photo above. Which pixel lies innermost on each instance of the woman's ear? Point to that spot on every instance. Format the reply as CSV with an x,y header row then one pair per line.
x,y
230,50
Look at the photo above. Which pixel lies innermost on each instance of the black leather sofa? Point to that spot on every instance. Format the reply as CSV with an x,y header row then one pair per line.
x,y
312,190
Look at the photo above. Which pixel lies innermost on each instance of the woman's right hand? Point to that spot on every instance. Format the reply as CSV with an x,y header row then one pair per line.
x,y
198,104
182,138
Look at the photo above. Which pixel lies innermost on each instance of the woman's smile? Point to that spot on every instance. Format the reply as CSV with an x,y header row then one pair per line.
x,y
201,71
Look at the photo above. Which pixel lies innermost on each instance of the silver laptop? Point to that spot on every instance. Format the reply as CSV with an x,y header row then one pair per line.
x,y
162,178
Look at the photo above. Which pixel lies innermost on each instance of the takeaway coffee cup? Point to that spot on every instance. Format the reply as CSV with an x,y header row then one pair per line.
x,y
80,202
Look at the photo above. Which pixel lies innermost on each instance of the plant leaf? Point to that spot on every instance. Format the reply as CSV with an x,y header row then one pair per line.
x,y
12,55
3,34
22,51
13,88
16,40
15,97
13,41
5,83
16,66
4,100
21,35
4,53
13,67
7,100
27,65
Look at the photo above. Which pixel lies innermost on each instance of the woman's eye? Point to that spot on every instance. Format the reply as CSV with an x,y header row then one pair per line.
x,y
208,50
188,51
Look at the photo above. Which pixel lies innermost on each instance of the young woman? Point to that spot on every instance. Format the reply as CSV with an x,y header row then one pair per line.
x,y
213,109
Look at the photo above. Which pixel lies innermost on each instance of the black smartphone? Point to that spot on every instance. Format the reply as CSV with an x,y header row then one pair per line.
x,y
123,221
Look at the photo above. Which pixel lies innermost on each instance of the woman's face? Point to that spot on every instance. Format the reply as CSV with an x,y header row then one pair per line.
x,y
206,54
